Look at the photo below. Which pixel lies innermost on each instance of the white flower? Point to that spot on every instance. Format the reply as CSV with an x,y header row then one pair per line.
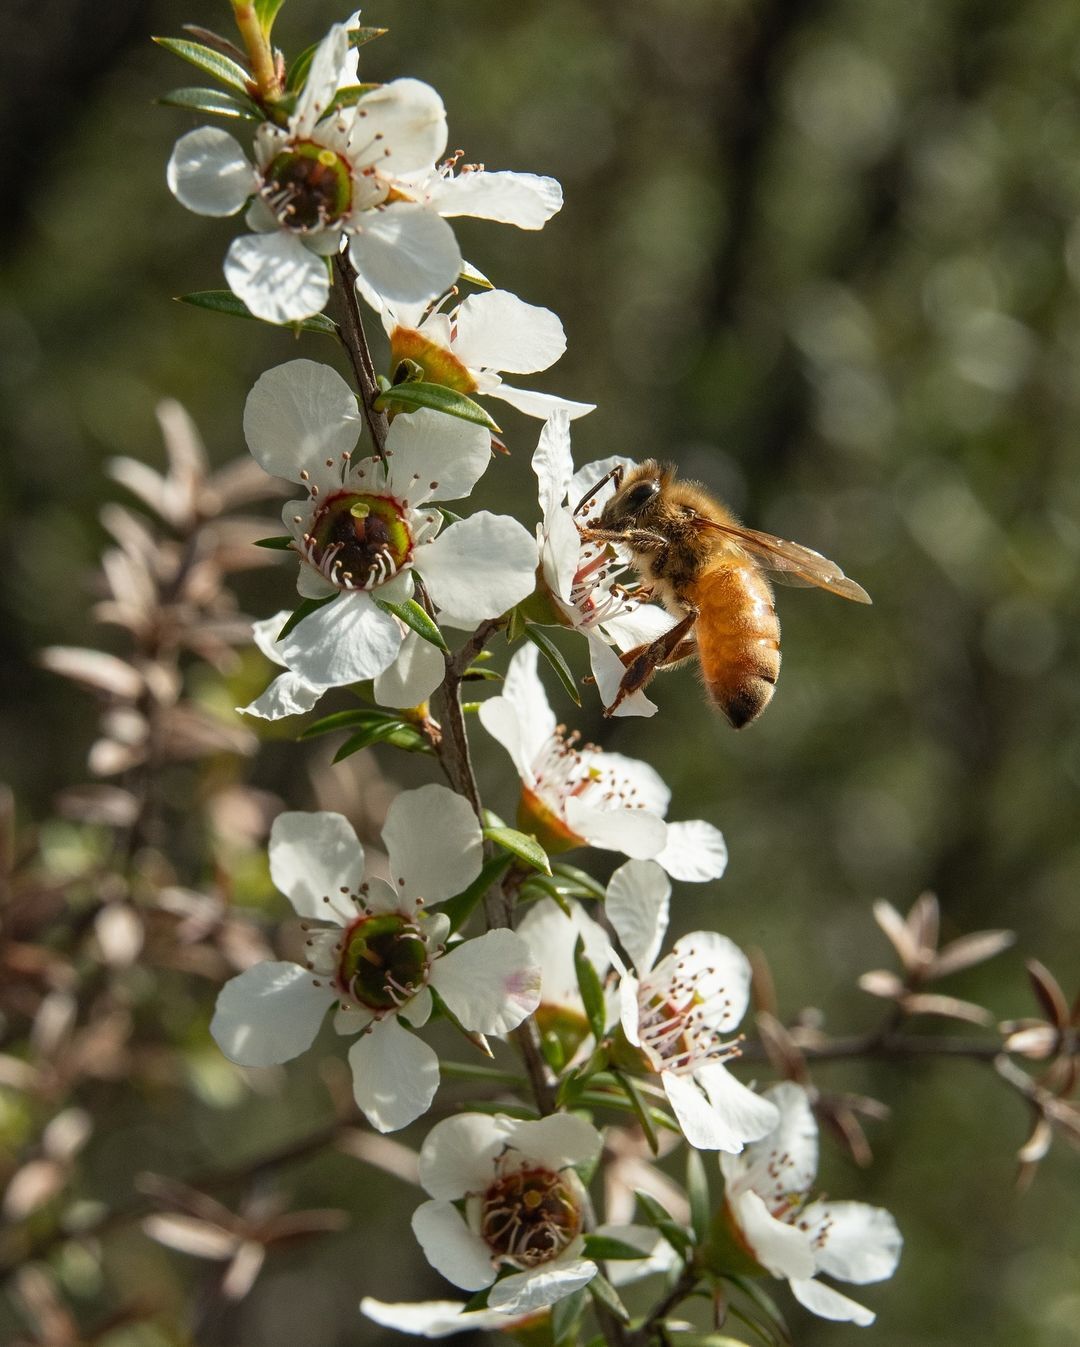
x,y
581,577
522,1206
321,177
377,955
678,1011
766,1196
363,529
574,794
552,935
468,347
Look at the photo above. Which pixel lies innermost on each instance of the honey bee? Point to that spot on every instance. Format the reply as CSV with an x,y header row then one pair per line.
x,y
710,572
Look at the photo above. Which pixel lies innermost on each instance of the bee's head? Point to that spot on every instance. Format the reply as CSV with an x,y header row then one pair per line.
x,y
638,495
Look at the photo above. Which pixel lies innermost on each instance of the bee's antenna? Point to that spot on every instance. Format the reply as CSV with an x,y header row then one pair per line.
x,y
615,474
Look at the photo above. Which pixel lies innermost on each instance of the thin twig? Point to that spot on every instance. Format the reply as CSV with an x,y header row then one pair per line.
x,y
354,340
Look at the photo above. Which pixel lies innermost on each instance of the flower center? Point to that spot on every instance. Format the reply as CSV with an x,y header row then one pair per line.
x,y
383,961
439,365
357,541
675,1019
529,1216
308,187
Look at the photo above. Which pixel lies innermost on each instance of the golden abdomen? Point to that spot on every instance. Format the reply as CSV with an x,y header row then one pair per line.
x,y
738,638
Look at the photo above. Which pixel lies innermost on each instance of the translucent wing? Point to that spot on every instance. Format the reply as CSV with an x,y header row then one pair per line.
x,y
790,563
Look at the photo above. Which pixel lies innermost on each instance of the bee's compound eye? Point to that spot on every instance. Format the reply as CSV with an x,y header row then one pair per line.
x,y
640,494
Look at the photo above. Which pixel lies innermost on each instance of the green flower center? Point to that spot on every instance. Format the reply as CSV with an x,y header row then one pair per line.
x,y
357,541
383,962
529,1217
308,187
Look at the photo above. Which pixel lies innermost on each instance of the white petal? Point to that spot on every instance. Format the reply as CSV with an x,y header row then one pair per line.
x,y
296,417
431,1318
644,783
451,1247
402,125
526,1292
265,632
458,1154
414,676
343,642
287,695
638,626
491,983
434,455
553,463
395,1075
635,832
521,199
607,670
530,402
629,1007
418,1010
785,1250
312,858
405,253
721,974
521,718
701,1124
324,75
551,936
310,584
561,555
557,1141
637,905
829,1304
785,1161
695,852
592,473
434,843
497,330
279,279
209,173
269,1014
860,1243
479,567
746,1114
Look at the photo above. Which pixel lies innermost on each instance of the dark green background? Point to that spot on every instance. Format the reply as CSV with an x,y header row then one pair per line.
x,y
824,254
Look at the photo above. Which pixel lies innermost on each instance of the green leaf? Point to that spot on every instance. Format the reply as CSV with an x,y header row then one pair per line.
x,y
282,543
348,720
396,733
438,397
578,880
476,674
697,1190
302,64
695,1339
211,101
224,301
460,907
266,12
348,96
655,1215
638,1105
565,1316
208,61
303,609
553,655
526,849
604,1247
592,990
415,617
605,1294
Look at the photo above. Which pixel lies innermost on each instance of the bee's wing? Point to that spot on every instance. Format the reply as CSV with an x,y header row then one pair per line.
x,y
791,563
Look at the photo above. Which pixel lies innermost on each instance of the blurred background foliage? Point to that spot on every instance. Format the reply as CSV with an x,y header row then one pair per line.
x,y
825,254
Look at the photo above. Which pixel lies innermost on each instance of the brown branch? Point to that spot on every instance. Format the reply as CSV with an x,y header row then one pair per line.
x,y
877,1045
354,340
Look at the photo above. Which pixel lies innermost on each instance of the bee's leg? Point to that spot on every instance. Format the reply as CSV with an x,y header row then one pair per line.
x,y
638,540
643,661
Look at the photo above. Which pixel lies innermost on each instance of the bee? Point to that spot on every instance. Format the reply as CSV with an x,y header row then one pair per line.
x,y
708,571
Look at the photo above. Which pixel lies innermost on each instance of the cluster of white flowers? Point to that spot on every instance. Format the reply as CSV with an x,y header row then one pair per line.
x,y
384,572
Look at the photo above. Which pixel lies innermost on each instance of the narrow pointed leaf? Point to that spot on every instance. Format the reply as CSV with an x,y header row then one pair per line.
x,y
439,398
208,60
212,101
565,1317
526,849
638,1105
554,657
477,1040
349,720
592,991
697,1190
282,543
224,301
605,1294
396,733
655,1215
302,64
346,97
572,875
604,1247
460,907
414,616
266,12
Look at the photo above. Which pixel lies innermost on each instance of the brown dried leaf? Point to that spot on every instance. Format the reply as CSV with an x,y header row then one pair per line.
x,y
37,1182
967,951
923,923
1048,993
926,1003
242,1271
94,669
897,933
880,982
189,1234
142,481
